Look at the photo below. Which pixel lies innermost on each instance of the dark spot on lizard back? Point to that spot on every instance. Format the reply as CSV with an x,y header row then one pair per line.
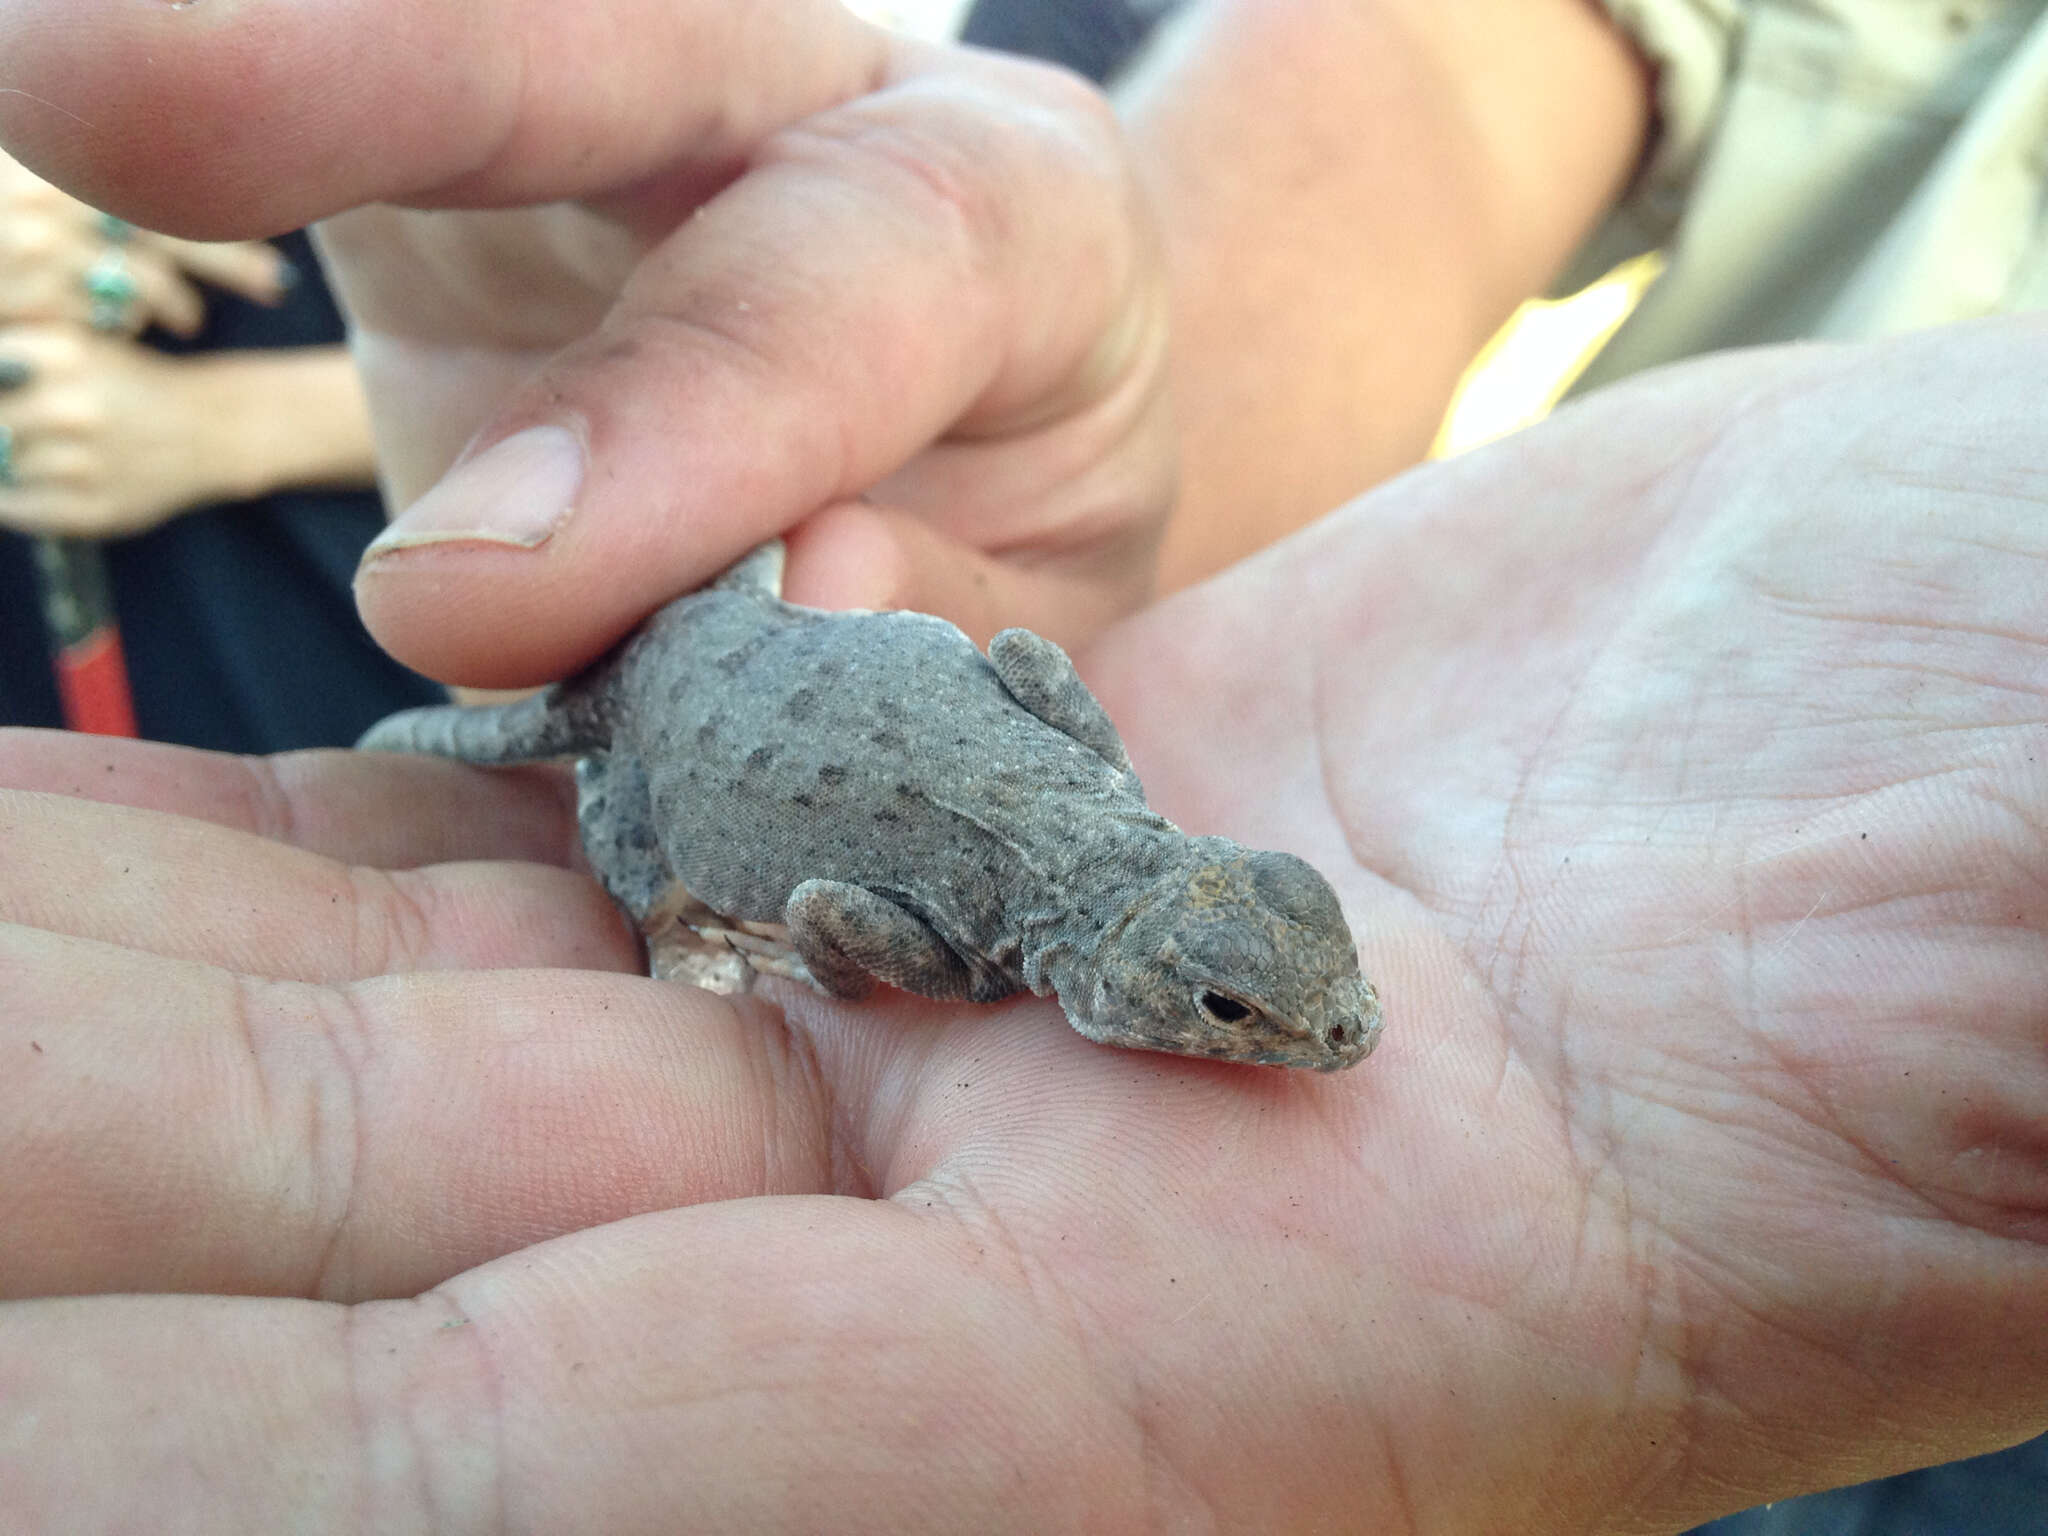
x,y
801,705
831,775
890,740
759,759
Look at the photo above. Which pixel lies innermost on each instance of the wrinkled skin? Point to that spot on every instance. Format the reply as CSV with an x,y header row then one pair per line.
x,y
804,282
1682,764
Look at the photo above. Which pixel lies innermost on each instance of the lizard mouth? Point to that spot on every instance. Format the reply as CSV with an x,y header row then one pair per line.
x,y
1334,1027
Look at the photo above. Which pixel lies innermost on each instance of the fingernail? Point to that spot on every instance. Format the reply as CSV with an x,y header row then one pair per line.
x,y
516,492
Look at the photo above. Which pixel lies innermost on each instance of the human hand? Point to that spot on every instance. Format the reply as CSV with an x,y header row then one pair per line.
x,y
54,251
105,437
1680,765
902,299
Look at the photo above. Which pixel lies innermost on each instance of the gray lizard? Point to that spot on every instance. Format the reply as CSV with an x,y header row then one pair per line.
x,y
851,797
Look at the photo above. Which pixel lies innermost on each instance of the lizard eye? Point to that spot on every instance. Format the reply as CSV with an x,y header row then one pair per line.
x,y
1222,1009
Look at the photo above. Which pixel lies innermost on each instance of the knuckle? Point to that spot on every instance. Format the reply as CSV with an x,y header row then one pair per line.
x,y
310,1048
392,920
976,165
70,413
58,351
268,806
980,155
890,156
1077,101
28,239
75,474
425,1413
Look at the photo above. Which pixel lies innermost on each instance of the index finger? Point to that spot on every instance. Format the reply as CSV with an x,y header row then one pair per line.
x,y
376,809
243,118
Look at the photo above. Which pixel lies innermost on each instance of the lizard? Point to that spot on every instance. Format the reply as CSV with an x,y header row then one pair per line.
x,y
846,797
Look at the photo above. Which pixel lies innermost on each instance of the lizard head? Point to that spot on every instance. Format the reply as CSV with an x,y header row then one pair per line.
x,y
1237,955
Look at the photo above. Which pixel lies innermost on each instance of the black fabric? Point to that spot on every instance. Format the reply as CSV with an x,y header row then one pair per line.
x,y
2003,1494
1095,38
237,621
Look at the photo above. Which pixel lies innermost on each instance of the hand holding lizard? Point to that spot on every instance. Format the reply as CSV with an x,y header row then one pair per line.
x,y
1680,764
810,284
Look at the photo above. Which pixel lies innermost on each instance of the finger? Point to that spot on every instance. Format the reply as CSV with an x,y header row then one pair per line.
x,y
51,448
119,287
859,555
737,1367
241,119
188,890
382,810
43,468
257,271
728,395
173,1126
41,494
41,514
165,298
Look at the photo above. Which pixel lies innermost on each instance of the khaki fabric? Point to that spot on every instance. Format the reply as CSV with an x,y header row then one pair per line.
x,y
1831,168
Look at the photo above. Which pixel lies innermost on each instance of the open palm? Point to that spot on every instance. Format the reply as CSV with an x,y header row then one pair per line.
x,y
1681,765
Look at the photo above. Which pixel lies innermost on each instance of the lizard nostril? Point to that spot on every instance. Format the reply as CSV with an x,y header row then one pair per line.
x,y
1337,1034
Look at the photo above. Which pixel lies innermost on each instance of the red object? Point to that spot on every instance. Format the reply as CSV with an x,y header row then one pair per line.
x,y
85,640
92,682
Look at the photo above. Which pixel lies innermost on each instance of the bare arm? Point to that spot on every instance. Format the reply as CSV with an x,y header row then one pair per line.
x,y
303,422
1355,194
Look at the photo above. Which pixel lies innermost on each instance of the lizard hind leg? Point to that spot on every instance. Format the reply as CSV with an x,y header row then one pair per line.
x,y
615,813
851,938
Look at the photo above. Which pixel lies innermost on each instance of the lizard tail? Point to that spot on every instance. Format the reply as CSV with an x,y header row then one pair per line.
x,y
542,725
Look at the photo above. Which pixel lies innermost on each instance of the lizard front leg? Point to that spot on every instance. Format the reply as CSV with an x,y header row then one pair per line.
x,y
1041,677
